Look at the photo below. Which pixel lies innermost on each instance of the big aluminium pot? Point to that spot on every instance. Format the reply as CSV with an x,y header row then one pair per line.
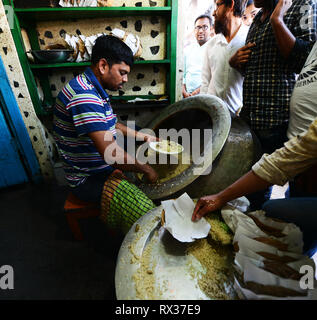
x,y
230,151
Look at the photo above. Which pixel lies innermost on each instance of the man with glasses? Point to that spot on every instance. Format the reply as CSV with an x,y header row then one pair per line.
x,y
218,77
193,58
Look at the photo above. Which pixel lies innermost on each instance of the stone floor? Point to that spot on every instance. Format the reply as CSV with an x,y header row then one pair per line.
x,y
47,262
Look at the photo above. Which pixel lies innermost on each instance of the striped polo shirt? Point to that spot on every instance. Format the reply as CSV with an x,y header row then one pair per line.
x,y
82,106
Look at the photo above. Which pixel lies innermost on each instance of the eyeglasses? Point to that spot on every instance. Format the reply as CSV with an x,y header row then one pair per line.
x,y
204,27
218,5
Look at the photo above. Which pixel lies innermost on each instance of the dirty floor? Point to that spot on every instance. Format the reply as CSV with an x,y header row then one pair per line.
x,y
47,262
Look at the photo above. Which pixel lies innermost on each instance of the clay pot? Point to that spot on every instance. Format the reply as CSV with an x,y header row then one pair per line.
x,y
228,152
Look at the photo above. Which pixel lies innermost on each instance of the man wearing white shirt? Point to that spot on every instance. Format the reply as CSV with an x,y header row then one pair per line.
x,y
193,57
303,105
303,111
218,77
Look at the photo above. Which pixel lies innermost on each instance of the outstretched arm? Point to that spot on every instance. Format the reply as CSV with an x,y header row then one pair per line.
x,y
249,183
297,155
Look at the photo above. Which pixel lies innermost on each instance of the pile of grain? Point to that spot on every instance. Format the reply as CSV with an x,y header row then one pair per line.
x,y
219,231
169,171
144,277
213,253
217,261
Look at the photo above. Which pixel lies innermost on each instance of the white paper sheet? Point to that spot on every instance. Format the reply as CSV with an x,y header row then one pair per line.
x,y
81,3
247,243
249,295
254,274
178,221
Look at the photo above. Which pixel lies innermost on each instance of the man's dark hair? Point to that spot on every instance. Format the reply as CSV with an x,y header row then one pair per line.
x,y
239,6
112,49
249,3
203,16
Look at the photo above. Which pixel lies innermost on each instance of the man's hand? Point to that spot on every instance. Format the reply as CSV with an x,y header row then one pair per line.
x,y
207,204
150,174
186,94
149,138
239,59
280,10
146,137
195,92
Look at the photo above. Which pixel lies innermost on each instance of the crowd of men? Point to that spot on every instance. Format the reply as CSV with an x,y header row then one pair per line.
x,y
262,62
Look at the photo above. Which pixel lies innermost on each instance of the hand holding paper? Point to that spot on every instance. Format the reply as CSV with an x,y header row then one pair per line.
x,y
178,221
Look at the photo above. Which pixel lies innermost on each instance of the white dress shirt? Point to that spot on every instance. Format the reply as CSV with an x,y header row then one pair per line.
x,y
218,78
193,63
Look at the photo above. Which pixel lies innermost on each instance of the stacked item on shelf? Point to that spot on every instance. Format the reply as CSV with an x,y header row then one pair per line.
x,y
35,3
82,46
85,3
269,257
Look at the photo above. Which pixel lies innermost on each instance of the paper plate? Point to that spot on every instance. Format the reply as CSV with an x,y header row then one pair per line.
x,y
153,146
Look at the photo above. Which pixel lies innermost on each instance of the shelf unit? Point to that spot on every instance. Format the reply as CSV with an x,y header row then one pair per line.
x,y
28,18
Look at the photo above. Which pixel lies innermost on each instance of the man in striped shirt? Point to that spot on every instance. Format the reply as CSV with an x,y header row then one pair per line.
x,y
85,125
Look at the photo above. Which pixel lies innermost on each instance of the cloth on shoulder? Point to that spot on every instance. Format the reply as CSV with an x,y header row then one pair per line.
x,y
297,155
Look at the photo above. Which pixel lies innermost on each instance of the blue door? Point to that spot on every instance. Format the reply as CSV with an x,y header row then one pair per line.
x,y
18,162
11,167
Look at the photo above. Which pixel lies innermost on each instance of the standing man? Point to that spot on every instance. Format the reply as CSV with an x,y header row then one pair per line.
x,y
279,41
218,77
193,58
85,130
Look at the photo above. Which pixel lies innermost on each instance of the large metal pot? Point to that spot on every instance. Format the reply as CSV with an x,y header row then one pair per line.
x,y
231,149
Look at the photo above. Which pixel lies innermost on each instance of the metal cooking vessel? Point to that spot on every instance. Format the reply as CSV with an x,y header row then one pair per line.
x,y
231,150
51,56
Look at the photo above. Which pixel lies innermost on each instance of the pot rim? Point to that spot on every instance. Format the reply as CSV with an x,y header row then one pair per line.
x,y
221,120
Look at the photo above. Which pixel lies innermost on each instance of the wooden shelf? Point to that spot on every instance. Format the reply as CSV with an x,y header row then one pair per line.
x,y
86,64
46,14
122,102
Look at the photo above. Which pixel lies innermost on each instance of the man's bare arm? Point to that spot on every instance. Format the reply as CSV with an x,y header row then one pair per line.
x,y
284,38
247,184
140,136
109,150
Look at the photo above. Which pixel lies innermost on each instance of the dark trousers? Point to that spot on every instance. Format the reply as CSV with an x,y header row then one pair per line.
x,y
270,140
91,189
